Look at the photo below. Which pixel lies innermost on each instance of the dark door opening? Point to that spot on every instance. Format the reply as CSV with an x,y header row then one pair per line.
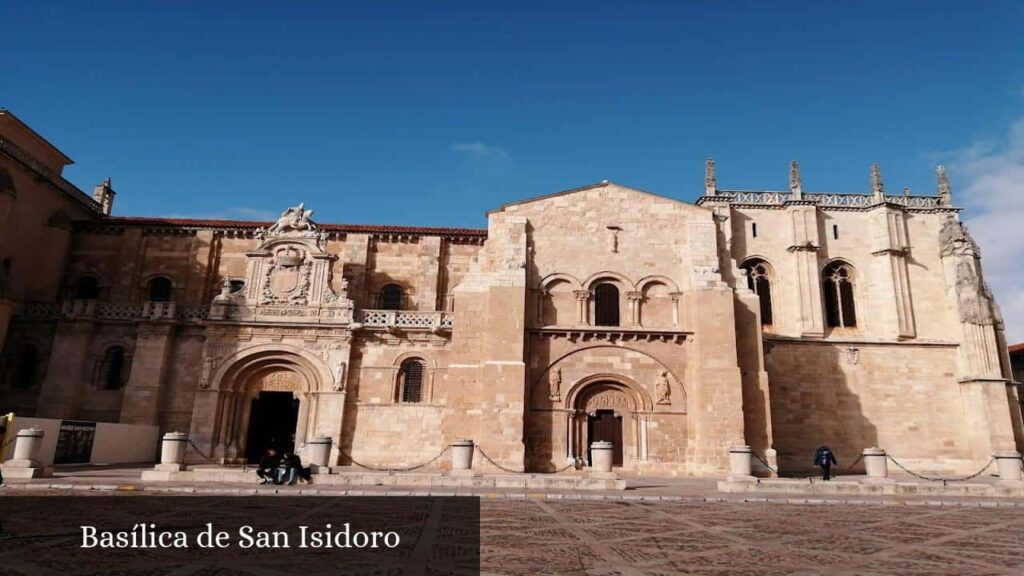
x,y
606,426
271,424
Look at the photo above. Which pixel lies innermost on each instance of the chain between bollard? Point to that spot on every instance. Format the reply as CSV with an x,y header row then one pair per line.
x,y
393,470
763,463
200,452
943,480
495,464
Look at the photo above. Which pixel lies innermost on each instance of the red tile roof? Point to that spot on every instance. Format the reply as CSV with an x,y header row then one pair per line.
x,y
352,228
1015,348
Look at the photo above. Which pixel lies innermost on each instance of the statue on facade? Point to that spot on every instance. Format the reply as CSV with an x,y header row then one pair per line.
x,y
339,377
555,385
662,389
296,219
206,374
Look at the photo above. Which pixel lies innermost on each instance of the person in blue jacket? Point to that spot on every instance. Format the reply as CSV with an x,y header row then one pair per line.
x,y
825,459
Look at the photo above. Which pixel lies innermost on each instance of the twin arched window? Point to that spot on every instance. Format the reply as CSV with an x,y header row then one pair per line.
x,y
606,305
391,297
759,281
837,289
411,376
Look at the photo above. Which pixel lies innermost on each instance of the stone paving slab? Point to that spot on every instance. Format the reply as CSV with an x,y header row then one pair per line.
x,y
530,533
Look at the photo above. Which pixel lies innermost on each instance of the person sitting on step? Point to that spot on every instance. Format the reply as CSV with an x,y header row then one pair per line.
x,y
291,469
267,467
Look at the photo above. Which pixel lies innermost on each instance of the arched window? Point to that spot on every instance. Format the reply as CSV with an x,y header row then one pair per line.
x,y
236,285
114,369
606,305
391,297
159,289
88,288
410,380
26,366
758,280
837,286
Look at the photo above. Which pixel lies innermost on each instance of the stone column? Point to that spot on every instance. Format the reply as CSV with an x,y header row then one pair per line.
x,y
582,307
302,422
634,299
143,396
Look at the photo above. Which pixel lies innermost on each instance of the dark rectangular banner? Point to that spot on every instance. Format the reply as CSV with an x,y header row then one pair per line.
x,y
181,535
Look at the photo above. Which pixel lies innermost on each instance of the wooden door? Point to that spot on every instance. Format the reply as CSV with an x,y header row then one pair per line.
x,y
606,426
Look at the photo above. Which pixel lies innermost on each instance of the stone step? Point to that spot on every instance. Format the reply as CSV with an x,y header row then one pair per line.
x,y
356,477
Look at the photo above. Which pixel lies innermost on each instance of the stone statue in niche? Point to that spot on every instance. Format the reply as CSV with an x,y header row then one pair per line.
x,y
555,385
205,375
339,377
662,388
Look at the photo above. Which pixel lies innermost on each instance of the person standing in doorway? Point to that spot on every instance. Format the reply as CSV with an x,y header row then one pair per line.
x,y
825,459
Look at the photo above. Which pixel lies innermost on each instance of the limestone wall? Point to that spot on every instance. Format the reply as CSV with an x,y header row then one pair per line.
x,y
903,398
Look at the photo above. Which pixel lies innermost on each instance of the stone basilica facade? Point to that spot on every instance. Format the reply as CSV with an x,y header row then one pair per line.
x,y
783,320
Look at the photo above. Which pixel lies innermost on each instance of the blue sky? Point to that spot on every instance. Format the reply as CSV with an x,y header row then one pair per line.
x,y
416,113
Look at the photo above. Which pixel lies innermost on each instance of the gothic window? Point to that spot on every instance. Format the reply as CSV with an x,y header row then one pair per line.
x,y
159,289
391,297
606,305
114,369
410,379
88,288
26,366
759,281
837,286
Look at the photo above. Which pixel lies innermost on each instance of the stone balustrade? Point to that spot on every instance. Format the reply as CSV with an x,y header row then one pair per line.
x,y
768,198
94,309
405,320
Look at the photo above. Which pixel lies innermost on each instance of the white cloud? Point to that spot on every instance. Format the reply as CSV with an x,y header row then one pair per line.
x,y
994,212
479,150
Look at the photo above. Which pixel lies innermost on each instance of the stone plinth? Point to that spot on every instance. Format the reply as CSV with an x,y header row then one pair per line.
x,y
462,458
319,451
740,464
25,463
876,466
1009,466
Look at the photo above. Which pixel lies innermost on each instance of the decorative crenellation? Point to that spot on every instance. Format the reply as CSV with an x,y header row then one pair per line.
x,y
848,201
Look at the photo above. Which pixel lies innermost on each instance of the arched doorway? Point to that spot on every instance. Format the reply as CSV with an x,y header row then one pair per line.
x,y
607,410
274,403
266,396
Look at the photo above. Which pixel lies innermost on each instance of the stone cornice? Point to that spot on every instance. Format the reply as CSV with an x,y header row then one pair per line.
x,y
15,153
